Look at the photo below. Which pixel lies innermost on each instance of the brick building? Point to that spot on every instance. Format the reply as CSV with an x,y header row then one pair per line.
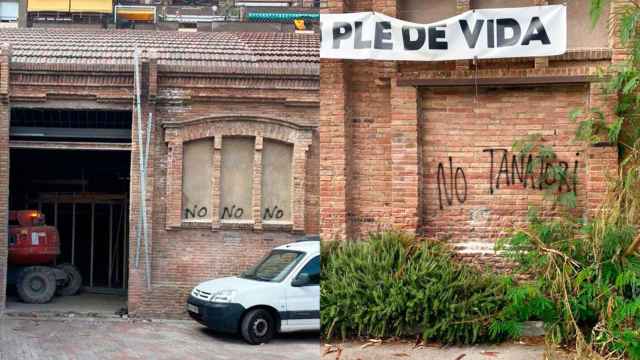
x,y
427,147
233,161
180,15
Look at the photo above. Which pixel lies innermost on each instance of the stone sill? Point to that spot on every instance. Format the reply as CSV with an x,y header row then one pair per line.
x,y
284,226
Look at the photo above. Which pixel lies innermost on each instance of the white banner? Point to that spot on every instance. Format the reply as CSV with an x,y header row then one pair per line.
x,y
482,33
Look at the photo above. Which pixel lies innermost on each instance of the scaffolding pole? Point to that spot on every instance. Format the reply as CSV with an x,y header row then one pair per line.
x,y
125,246
116,259
110,244
73,234
93,233
143,173
114,233
55,223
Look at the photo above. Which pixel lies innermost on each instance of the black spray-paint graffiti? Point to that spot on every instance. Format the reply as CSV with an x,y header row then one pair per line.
x,y
232,213
525,172
270,213
196,212
455,183
531,171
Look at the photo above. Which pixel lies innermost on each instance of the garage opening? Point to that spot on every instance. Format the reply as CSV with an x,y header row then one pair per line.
x,y
72,167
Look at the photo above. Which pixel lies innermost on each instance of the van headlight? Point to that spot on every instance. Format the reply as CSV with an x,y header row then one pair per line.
x,y
223,296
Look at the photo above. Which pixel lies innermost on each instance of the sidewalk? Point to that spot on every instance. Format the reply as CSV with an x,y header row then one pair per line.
x,y
96,339
404,350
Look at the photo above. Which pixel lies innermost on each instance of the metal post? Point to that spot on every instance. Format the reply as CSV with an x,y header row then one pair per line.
x,y
145,226
93,217
138,109
55,224
125,246
116,257
73,234
143,171
110,243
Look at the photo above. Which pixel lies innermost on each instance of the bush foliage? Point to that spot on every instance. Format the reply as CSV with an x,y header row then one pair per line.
x,y
590,282
395,285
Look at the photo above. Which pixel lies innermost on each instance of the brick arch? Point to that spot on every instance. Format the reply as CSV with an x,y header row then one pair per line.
x,y
206,127
178,133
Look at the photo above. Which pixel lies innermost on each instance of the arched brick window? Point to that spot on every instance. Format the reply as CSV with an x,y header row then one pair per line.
x,y
236,172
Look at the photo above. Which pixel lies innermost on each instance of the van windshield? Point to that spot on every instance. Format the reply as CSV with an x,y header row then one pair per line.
x,y
275,267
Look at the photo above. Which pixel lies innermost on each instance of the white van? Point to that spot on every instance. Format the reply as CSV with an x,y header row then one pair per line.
x,y
280,294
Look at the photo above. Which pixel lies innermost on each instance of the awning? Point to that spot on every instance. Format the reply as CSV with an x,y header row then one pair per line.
x,y
48,5
92,6
282,17
8,10
136,13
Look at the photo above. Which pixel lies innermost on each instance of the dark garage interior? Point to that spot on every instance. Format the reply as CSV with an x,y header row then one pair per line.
x,y
83,192
91,186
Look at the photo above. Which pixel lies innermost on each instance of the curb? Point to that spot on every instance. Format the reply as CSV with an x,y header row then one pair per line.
x,y
59,316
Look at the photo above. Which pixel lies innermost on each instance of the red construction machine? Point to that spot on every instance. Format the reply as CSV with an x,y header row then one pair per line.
x,y
33,249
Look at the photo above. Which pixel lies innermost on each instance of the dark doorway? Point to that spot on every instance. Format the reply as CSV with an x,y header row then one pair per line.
x,y
85,195
73,166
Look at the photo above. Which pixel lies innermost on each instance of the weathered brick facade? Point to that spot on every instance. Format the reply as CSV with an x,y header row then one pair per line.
x,y
5,52
264,99
388,127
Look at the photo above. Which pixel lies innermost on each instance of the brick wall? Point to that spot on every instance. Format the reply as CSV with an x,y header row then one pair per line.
x,y
186,254
4,168
472,189
395,123
335,143
370,149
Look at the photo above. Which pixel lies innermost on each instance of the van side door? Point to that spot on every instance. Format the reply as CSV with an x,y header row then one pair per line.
x,y
303,298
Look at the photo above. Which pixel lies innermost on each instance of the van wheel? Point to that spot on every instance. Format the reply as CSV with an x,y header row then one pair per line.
x,y
257,327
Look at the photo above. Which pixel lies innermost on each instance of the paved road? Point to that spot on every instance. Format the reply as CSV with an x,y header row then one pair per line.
x,y
62,339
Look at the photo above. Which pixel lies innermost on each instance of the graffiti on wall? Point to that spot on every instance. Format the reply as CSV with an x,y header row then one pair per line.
x,y
197,212
524,172
457,184
233,212
272,213
505,170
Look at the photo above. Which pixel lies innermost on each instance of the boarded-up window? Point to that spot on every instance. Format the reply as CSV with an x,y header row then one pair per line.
x,y
276,181
236,183
196,180
426,11
580,32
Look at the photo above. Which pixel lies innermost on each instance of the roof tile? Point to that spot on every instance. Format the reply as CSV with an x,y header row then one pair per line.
x,y
253,53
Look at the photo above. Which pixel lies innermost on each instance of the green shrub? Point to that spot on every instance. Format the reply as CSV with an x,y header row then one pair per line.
x,y
394,285
588,277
